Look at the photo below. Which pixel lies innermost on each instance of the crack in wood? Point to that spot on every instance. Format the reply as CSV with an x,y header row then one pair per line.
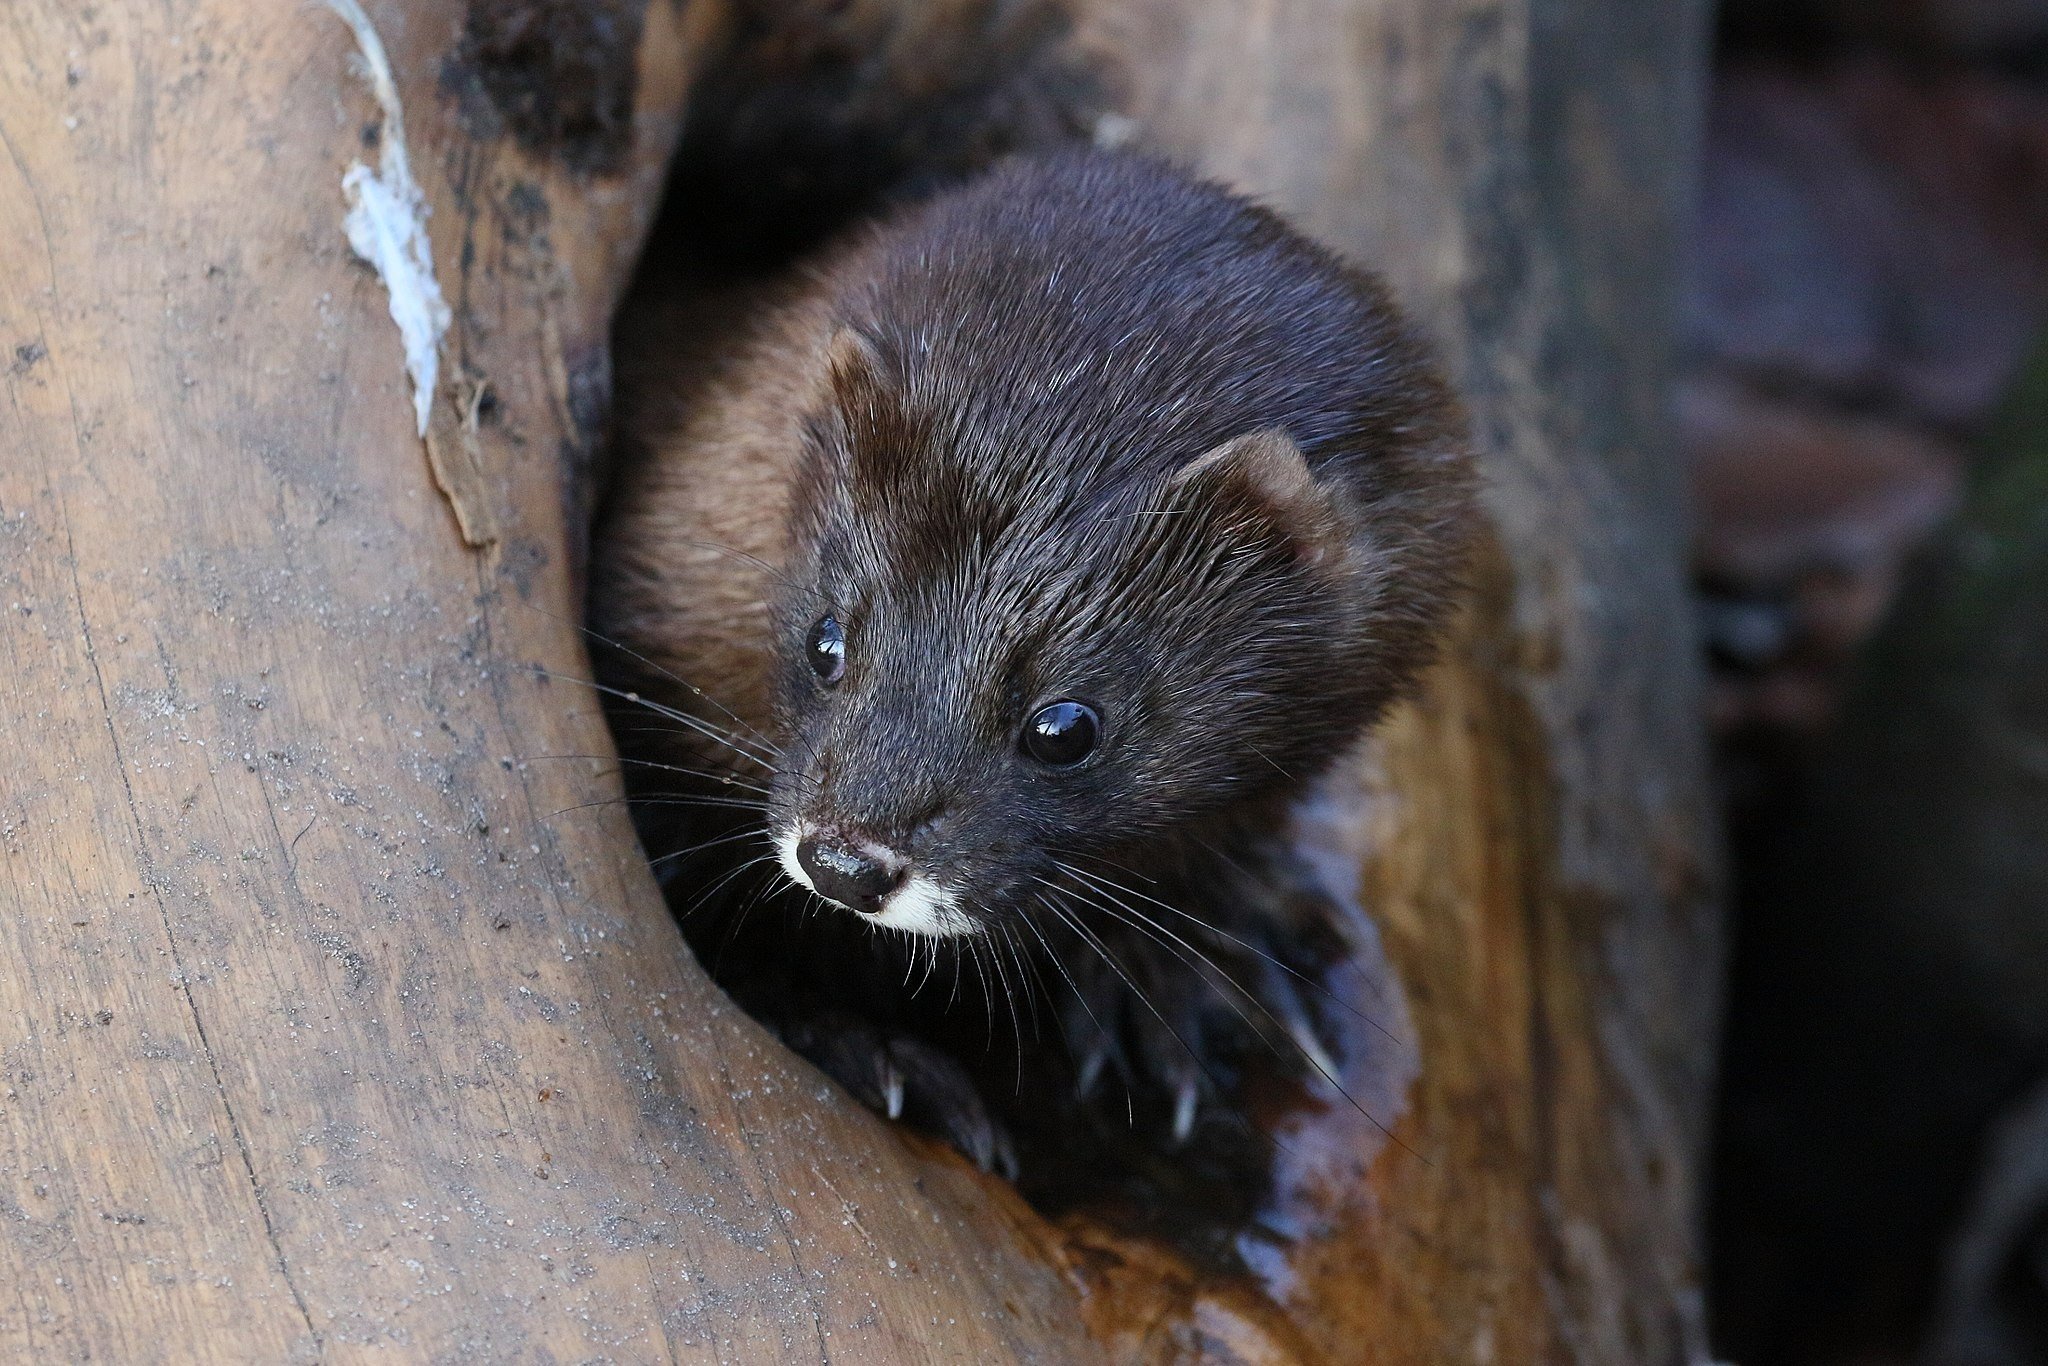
x,y
184,982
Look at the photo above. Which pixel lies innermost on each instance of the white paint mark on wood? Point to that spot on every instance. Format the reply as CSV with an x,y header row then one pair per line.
x,y
387,224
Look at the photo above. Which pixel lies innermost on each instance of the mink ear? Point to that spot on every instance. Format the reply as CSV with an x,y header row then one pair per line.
x,y
1264,473
854,364
874,424
852,358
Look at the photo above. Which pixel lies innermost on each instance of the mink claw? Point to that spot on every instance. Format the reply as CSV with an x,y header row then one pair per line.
x,y
898,1076
892,1090
1090,1071
936,1093
1083,1019
850,1051
1283,998
1311,1047
997,1156
1184,1105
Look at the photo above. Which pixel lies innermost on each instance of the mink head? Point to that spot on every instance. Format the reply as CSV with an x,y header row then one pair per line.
x,y
1124,508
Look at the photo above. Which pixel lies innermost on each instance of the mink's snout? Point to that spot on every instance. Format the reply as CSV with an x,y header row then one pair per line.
x,y
878,882
853,872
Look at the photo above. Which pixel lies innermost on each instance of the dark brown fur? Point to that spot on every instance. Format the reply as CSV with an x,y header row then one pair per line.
x,y
1083,428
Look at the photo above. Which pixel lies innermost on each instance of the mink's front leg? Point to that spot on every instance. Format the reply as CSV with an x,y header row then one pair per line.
x,y
899,1075
1175,988
860,1008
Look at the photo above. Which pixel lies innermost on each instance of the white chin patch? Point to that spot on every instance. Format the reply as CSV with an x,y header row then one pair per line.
x,y
785,854
919,906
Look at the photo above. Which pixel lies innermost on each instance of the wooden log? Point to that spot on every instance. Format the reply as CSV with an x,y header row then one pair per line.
x,y
327,1025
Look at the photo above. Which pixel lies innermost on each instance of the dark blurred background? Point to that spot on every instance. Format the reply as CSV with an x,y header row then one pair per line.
x,y
1865,408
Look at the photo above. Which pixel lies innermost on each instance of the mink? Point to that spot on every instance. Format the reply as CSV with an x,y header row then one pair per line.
x,y
985,585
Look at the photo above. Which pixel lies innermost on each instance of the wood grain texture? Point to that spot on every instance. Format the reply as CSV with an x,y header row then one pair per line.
x,y
331,1024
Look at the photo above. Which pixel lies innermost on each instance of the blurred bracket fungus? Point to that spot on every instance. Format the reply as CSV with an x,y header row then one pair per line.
x,y
1945,751
1994,1301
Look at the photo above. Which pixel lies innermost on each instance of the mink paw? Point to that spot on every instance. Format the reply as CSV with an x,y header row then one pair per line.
x,y
1150,1040
905,1078
1179,1036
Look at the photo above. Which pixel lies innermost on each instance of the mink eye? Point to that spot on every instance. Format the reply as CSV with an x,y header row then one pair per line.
x,y
826,649
1062,734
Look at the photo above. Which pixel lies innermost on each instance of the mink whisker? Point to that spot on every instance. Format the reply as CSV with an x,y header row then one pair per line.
x,y
682,718
1242,1122
672,677
1080,999
1311,983
666,799
726,779
1010,1000
1308,1055
697,726
1088,937
1200,961
1022,958
711,891
732,838
988,999
781,576
931,965
738,922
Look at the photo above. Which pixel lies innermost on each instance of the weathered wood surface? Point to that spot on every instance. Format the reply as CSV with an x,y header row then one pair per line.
x,y
320,1031
320,1034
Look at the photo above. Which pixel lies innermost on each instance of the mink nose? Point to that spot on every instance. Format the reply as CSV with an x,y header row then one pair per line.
x,y
855,877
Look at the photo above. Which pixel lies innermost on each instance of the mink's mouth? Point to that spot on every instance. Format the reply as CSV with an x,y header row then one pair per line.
x,y
916,903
